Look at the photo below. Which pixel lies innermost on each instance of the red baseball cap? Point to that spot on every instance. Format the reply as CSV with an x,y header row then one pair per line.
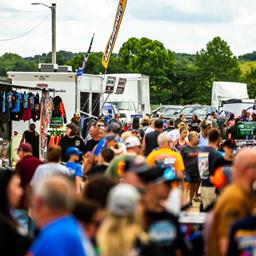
x,y
25,147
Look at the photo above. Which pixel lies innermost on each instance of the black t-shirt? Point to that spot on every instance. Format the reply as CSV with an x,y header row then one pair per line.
x,y
190,158
243,237
33,139
164,231
11,242
219,162
206,158
97,170
67,142
151,142
90,144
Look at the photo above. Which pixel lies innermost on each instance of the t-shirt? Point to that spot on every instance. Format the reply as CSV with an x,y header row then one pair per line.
x,y
97,170
233,204
48,169
112,170
202,140
166,158
61,237
174,134
206,157
67,142
33,139
243,237
12,243
90,144
190,158
163,230
26,168
75,169
151,142
220,162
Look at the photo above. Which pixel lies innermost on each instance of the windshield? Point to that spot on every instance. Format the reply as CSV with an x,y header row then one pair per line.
x,y
199,110
123,105
187,110
171,111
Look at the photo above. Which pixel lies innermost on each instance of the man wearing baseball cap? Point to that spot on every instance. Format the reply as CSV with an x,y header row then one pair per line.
x,y
73,154
132,144
26,168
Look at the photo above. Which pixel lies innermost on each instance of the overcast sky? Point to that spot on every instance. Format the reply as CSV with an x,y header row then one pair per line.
x,y
182,25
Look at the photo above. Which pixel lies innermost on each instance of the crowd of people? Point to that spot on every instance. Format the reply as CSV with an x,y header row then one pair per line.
x,y
120,192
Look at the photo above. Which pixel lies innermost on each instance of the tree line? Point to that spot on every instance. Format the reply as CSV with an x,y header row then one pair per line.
x,y
175,78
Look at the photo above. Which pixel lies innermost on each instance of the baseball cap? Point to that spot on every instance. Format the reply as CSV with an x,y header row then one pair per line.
x,y
110,137
25,147
73,151
158,175
132,142
123,200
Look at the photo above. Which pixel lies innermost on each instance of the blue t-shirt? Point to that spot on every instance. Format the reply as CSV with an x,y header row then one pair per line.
x,y
75,169
62,237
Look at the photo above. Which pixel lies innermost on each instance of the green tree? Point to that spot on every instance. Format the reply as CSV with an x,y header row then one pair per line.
x,y
14,62
215,63
150,57
250,79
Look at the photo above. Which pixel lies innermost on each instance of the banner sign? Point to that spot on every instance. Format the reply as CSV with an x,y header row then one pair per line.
x,y
112,39
136,116
111,80
121,85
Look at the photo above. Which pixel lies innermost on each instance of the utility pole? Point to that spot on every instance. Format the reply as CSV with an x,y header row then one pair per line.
x,y
53,11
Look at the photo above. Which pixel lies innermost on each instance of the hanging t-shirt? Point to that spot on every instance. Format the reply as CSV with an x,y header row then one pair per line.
x,y
9,99
25,100
16,100
3,102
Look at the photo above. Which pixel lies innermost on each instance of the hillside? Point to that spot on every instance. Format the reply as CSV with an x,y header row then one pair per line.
x,y
246,66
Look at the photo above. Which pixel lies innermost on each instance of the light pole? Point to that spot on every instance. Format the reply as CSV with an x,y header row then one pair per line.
x,y
53,11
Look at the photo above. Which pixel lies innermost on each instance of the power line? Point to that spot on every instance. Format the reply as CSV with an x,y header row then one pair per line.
x,y
25,33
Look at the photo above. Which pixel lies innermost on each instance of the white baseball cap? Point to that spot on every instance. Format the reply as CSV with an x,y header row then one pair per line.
x,y
132,142
123,200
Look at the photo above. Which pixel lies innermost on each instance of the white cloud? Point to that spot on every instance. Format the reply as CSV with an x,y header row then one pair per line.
x,y
182,25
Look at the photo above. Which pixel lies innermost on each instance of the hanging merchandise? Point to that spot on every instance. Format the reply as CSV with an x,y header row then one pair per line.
x,y
36,108
59,109
46,110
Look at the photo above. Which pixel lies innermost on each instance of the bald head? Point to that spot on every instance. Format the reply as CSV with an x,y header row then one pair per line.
x,y
245,163
55,192
163,140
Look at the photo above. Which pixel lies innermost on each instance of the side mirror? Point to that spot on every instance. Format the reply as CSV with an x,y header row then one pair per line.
x,y
176,113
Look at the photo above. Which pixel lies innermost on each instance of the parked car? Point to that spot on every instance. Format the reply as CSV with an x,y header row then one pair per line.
x,y
166,111
202,111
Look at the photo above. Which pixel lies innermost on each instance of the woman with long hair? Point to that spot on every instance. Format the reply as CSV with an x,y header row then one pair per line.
x,y
12,242
121,232
182,140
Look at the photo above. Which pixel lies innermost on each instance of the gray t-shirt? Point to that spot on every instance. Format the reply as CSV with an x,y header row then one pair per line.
x,y
48,169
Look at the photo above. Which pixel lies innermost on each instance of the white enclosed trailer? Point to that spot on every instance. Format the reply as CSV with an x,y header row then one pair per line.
x,y
136,96
222,91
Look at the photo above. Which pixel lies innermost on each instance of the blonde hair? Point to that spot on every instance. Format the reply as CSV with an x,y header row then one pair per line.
x,y
126,135
191,135
118,234
182,125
